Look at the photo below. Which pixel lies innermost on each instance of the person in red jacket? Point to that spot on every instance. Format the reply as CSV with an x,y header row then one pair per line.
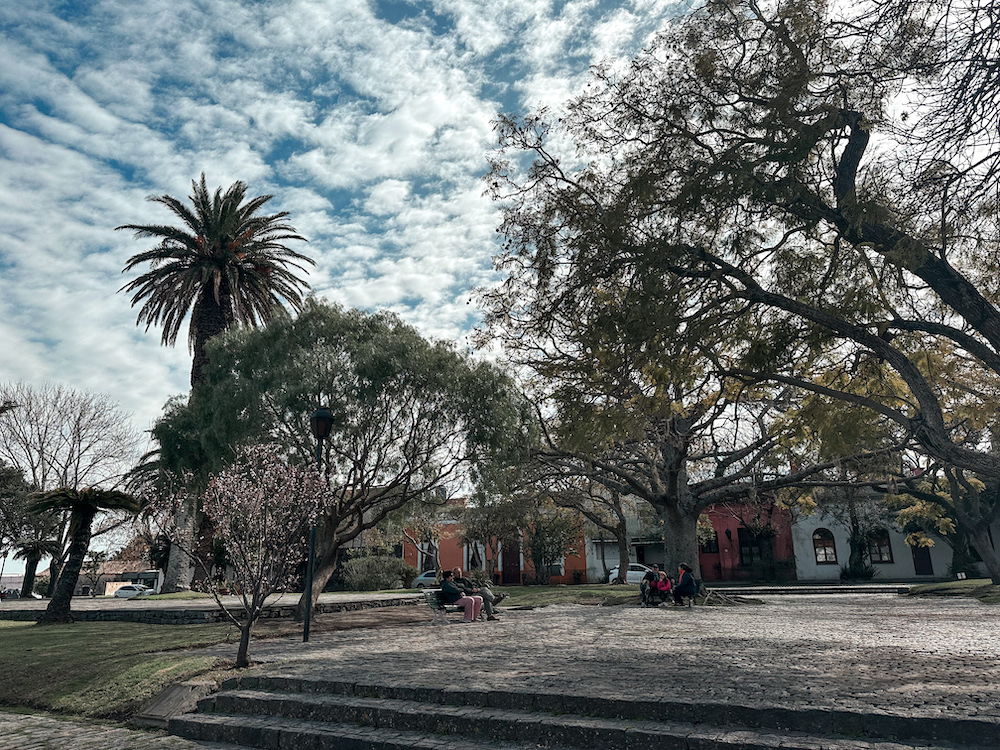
x,y
663,586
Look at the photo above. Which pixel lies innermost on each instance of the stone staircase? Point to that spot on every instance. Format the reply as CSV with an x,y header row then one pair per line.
x,y
309,714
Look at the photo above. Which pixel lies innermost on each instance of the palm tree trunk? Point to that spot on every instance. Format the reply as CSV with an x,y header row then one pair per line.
x,y
179,564
59,607
209,318
30,567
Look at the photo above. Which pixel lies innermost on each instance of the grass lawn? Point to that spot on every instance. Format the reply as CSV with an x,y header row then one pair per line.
x,y
592,594
982,589
99,669
107,670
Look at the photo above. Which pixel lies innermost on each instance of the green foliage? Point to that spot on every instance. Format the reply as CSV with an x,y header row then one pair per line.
x,y
228,265
410,417
377,573
863,571
552,534
753,171
383,381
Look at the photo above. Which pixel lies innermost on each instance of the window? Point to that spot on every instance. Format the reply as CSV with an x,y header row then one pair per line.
x,y
879,548
711,546
750,551
824,547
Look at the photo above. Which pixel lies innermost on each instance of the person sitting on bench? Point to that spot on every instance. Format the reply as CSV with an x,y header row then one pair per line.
x,y
685,584
489,599
453,594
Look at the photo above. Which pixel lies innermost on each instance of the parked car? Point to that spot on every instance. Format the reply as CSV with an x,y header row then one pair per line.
x,y
634,573
426,580
132,590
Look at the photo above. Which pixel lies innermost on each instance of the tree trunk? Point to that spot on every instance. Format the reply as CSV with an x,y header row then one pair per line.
x,y
980,539
179,568
326,566
242,659
623,554
680,537
55,569
28,582
209,318
59,607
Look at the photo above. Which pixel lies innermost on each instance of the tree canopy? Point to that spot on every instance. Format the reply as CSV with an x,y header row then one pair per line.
x,y
410,416
821,179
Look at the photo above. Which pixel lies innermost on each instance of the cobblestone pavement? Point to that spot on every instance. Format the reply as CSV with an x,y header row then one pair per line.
x,y
871,653
24,732
880,653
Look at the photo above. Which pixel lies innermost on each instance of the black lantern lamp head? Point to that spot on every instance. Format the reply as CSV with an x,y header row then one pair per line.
x,y
321,423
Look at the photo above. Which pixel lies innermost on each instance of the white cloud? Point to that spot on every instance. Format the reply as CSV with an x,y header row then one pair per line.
x,y
372,131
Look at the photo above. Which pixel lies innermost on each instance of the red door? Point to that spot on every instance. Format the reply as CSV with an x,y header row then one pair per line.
x,y
511,554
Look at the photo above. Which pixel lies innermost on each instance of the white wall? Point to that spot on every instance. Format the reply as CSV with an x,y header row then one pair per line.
x,y
901,568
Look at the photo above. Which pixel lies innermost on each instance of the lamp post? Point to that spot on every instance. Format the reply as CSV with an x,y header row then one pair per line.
x,y
320,422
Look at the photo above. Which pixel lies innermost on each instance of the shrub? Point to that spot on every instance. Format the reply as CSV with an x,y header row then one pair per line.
x,y
377,573
862,572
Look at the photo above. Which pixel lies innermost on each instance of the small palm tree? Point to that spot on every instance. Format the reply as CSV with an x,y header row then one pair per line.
x,y
83,506
32,551
227,266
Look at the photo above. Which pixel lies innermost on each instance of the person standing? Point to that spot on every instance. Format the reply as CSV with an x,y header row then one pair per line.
x,y
453,594
470,589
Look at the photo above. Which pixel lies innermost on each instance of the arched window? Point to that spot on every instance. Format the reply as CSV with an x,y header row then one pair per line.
x,y
825,547
879,548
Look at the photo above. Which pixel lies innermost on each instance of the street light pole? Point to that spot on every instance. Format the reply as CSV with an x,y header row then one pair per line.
x,y
321,423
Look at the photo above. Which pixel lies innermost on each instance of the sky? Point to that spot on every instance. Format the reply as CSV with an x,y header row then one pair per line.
x,y
368,120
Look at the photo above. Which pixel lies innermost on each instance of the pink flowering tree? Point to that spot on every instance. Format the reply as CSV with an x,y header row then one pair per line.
x,y
261,508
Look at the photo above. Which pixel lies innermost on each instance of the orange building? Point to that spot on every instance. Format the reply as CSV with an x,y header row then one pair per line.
x,y
505,561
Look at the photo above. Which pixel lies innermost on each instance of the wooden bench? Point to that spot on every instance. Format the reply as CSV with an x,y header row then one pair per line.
x,y
439,607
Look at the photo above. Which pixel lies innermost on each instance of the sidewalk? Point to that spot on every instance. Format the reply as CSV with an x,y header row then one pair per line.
x,y
195,611
25,732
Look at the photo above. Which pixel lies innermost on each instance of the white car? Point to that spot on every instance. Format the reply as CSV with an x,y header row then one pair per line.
x,y
426,580
634,573
133,589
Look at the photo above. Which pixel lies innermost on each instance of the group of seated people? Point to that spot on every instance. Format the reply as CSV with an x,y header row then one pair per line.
x,y
656,586
464,593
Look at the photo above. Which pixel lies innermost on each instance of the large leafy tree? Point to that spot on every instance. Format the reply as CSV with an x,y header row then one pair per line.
x,y
411,417
227,265
83,505
828,171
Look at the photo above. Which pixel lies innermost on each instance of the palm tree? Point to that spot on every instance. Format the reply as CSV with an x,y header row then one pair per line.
x,y
227,266
83,506
32,551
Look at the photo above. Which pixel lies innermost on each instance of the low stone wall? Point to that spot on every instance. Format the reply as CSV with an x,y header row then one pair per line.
x,y
201,616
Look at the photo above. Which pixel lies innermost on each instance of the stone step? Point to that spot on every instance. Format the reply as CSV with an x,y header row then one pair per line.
x,y
270,732
941,728
259,718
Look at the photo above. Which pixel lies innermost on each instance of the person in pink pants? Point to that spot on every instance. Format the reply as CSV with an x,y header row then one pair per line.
x,y
454,595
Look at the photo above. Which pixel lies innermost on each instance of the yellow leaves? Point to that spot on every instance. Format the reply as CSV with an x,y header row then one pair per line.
x,y
797,500
925,513
919,539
